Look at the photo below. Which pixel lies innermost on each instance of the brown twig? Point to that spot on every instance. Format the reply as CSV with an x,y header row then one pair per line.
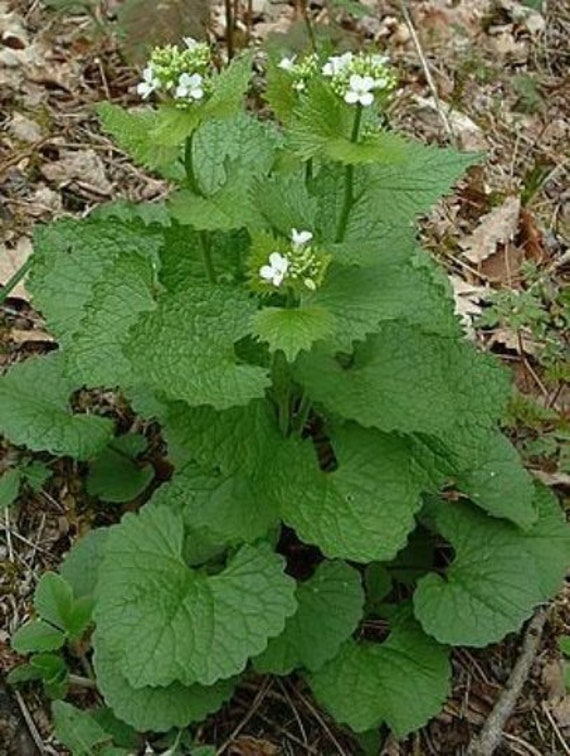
x,y
425,67
258,700
491,734
36,737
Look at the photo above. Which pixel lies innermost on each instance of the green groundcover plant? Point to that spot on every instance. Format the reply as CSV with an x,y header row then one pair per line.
x,y
276,319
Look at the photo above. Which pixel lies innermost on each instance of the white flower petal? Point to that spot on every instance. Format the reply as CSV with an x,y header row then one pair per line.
x,y
195,80
367,83
266,272
197,93
278,262
181,92
144,89
190,42
355,82
379,60
287,64
278,278
300,237
351,97
366,98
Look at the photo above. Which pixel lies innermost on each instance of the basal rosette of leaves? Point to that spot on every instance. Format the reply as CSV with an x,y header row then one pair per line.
x,y
301,355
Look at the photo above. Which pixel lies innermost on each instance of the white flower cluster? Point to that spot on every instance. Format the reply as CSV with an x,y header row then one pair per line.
x,y
301,264
358,79
183,74
301,71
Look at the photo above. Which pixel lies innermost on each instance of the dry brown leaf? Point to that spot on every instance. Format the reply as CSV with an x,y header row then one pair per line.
x,y
553,679
505,265
497,227
561,712
247,746
25,129
84,168
11,260
469,135
531,237
468,299
21,336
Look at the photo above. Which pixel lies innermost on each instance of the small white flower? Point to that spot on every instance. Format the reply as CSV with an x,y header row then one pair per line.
x,y
360,90
190,42
336,64
379,60
277,269
149,83
300,237
287,64
300,86
189,86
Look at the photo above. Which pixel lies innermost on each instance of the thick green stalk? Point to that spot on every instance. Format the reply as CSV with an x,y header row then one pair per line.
x,y
204,241
349,181
281,380
203,237
189,166
303,412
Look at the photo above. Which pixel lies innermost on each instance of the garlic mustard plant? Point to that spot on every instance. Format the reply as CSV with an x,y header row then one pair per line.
x,y
277,320
182,73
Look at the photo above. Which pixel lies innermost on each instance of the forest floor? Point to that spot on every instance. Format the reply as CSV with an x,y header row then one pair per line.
x,y
483,75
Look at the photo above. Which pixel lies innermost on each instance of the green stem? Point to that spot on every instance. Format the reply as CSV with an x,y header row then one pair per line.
x,y
308,170
207,256
349,180
203,238
281,381
15,280
82,682
303,413
189,167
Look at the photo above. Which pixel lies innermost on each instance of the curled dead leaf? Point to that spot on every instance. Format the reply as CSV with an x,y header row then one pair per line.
x,y
497,227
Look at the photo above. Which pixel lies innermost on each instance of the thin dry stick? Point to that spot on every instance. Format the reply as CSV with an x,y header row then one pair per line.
x,y
257,701
555,728
295,712
425,66
323,724
36,737
490,736
8,531
526,748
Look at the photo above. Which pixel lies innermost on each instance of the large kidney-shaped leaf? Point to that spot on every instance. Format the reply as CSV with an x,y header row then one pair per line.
x,y
499,574
235,440
500,484
170,623
232,508
330,607
363,510
402,682
35,410
404,380
71,256
154,708
185,348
